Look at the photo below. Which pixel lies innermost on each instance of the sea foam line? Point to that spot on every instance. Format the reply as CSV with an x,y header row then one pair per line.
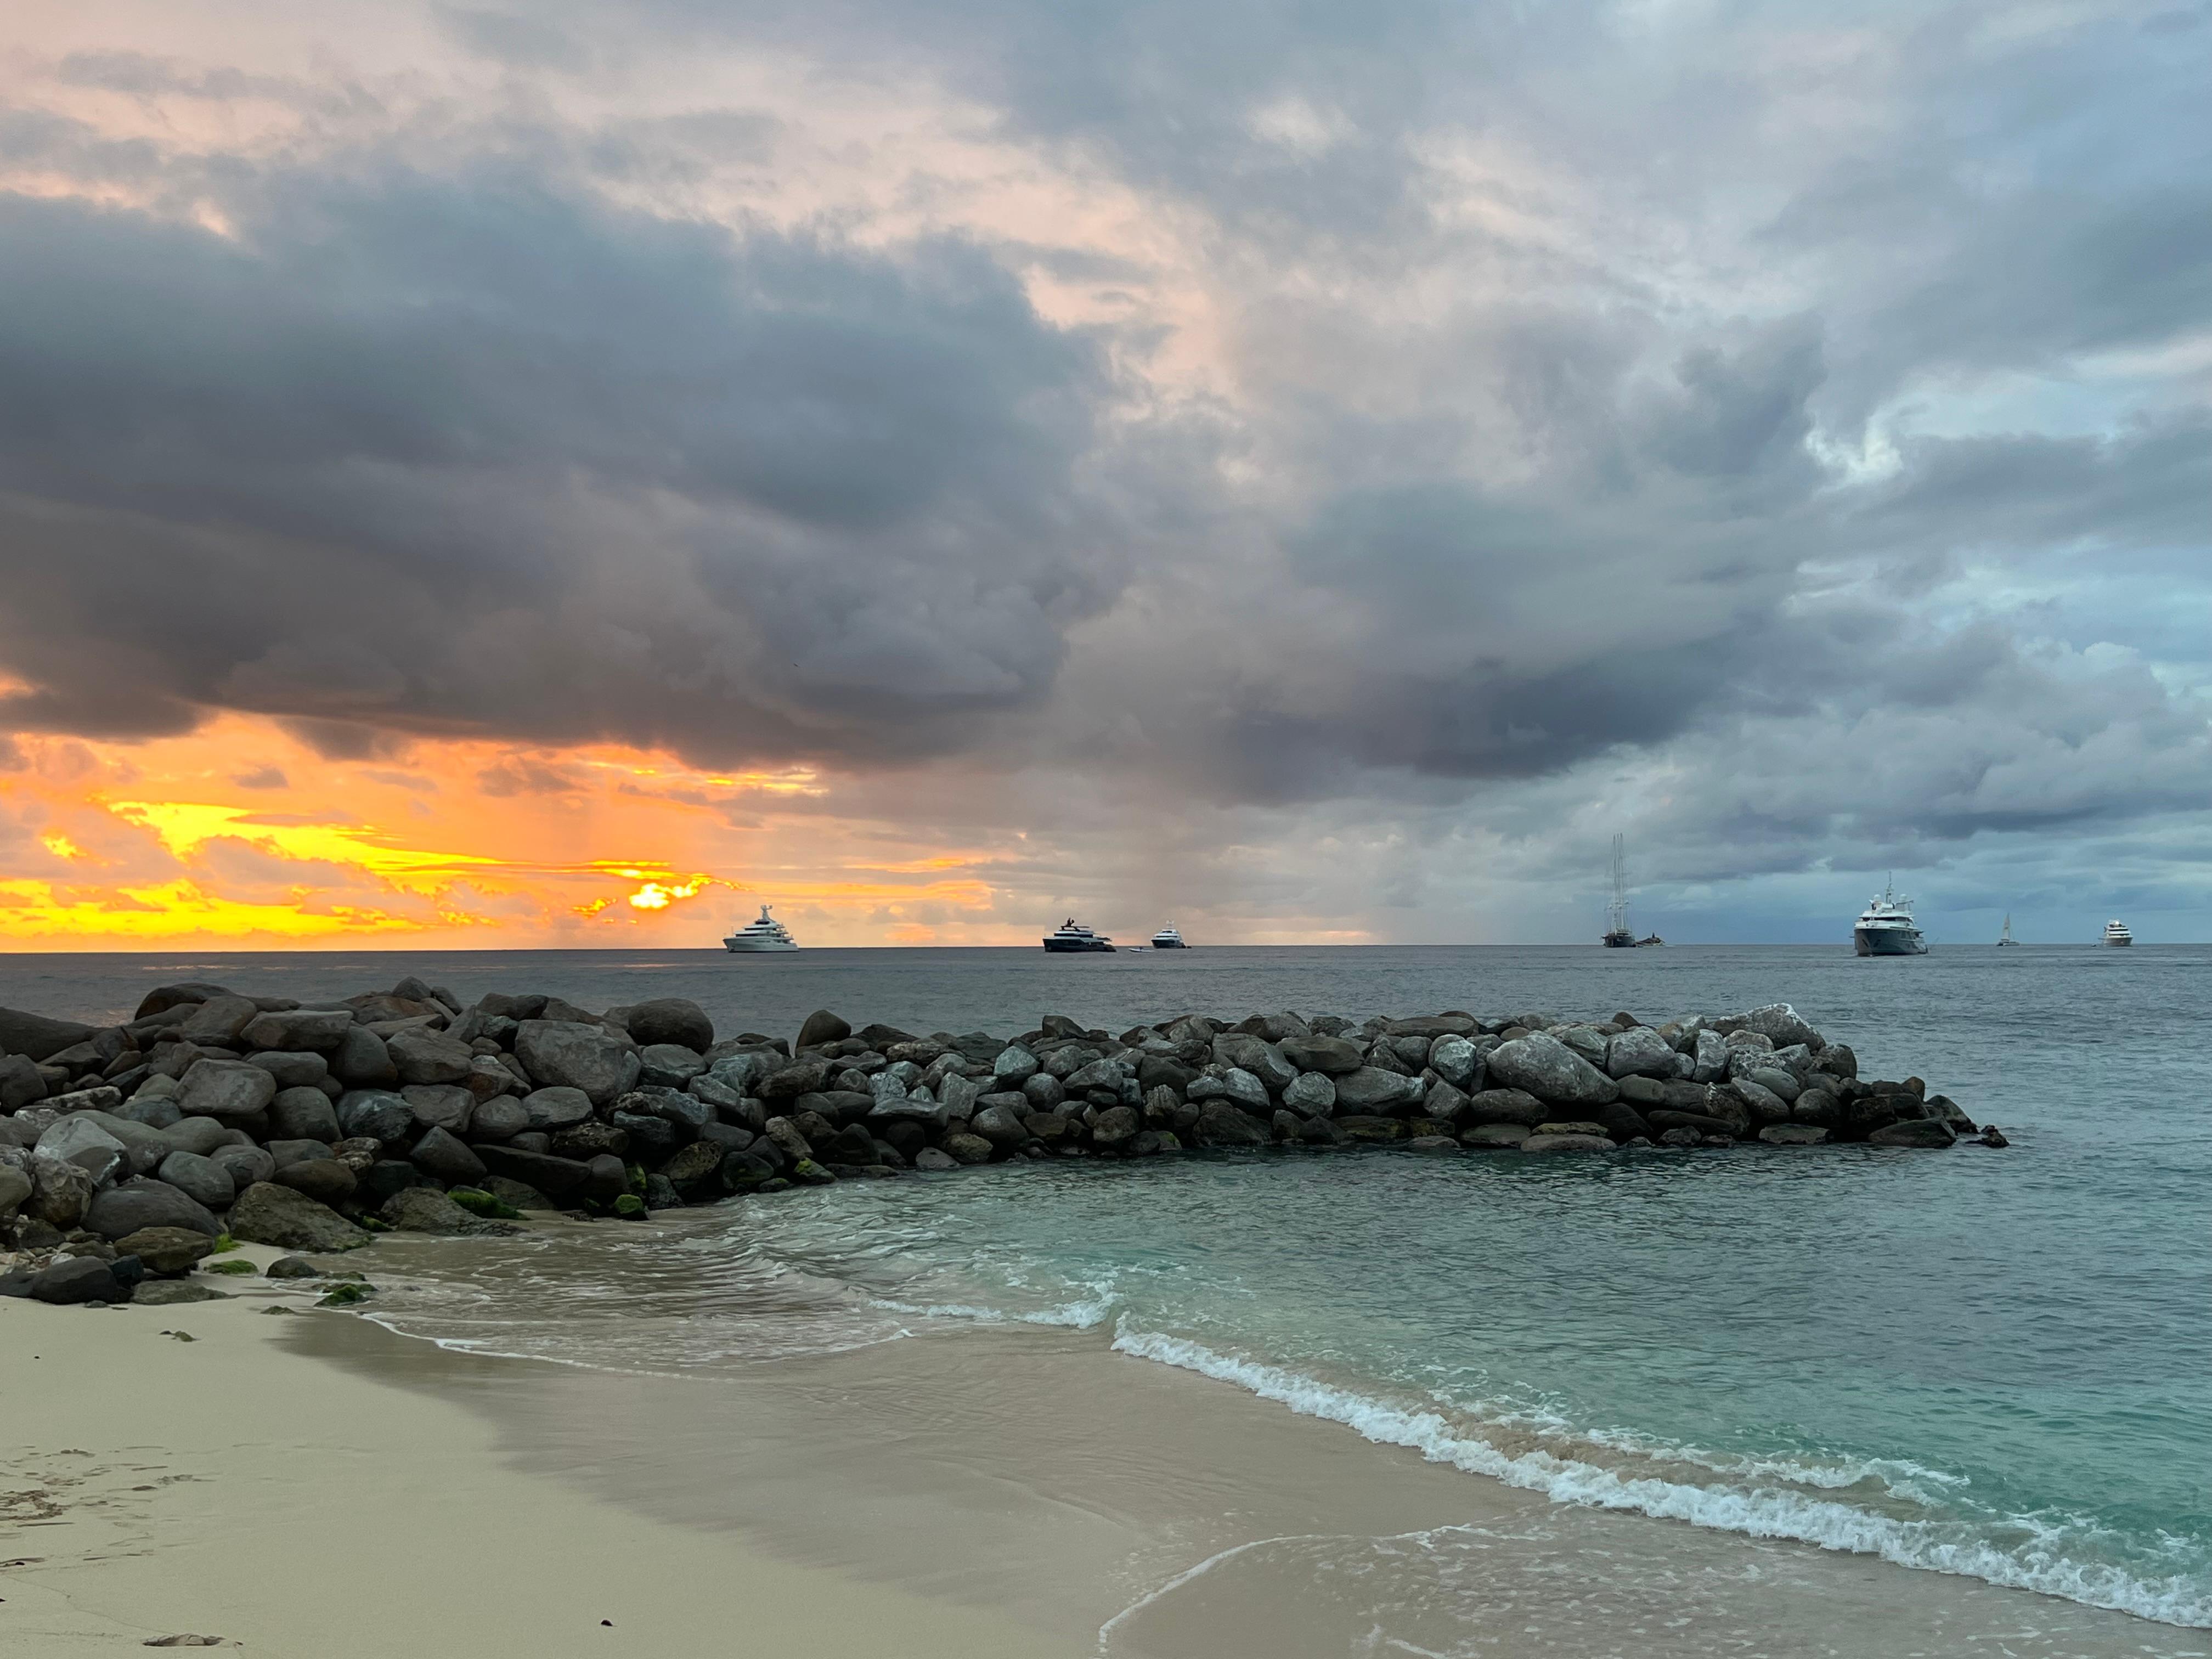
x,y
1757,1514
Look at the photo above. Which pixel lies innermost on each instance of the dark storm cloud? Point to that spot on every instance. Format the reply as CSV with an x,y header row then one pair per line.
x,y
476,452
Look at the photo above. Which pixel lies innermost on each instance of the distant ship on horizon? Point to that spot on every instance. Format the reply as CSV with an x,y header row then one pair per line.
x,y
2116,932
765,934
1618,934
1072,936
1167,940
2006,938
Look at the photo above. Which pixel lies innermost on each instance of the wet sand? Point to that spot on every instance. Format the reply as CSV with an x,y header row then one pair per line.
x,y
1109,1505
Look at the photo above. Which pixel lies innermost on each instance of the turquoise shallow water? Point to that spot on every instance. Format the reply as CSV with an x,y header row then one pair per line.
x,y
1987,1363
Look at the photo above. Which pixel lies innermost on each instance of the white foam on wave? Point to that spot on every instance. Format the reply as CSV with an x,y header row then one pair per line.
x,y
1942,1546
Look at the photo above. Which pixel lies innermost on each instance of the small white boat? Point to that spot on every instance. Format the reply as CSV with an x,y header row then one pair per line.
x,y
765,934
1070,936
1167,940
2116,932
2006,938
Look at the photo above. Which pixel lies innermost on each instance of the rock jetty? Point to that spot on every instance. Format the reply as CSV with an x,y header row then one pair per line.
x,y
311,1126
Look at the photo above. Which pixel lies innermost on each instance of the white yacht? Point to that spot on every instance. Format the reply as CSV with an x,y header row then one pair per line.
x,y
2116,932
1886,927
1167,940
765,934
1072,936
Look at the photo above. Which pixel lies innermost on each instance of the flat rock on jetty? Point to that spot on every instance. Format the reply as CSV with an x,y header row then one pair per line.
x,y
310,1127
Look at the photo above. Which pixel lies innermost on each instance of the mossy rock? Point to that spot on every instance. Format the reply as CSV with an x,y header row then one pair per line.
x,y
345,1296
373,1224
635,1175
224,1244
478,1202
238,1269
631,1208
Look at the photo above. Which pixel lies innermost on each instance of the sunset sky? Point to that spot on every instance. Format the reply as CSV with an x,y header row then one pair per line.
x,y
567,474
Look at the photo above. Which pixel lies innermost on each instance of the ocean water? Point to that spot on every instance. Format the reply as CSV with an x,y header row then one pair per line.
x,y
1993,1364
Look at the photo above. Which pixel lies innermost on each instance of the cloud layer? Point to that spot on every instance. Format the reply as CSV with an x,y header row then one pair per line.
x,y
1781,432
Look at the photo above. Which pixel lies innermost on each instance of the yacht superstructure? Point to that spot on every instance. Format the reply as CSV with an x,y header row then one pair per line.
x,y
1886,927
1167,940
1070,936
765,934
2116,932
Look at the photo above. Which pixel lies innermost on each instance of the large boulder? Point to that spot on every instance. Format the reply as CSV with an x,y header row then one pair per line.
x,y
362,1060
821,1027
420,1210
243,1164
1457,1061
79,1279
440,1105
1366,1088
219,1022
671,1020
80,1141
22,1082
1540,1065
1220,1124
550,1110
166,1249
1777,1022
201,1179
1505,1106
1312,1093
292,1068
320,1030
570,1054
669,1065
303,1113
38,1035
1261,1059
140,1202
1916,1132
225,1089
422,1055
375,1115
555,1177
1639,1051
443,1157
1332,1055
269,1214
326,1179
15,1189
60,1192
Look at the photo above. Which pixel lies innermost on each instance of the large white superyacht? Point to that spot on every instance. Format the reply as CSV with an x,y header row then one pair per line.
x,y
765,934
1886,927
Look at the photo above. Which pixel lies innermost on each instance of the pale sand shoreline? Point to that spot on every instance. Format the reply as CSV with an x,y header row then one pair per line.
x,y
322,1487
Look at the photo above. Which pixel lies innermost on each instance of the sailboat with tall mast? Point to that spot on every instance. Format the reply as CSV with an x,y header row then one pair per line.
x,y
1618,936
2006,938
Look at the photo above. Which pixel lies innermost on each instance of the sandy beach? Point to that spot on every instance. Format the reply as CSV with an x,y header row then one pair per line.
x,y
303,1486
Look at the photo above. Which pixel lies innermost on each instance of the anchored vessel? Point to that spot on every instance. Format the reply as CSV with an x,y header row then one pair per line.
x,y
1617,936
2116,932
765,934
1167,940
1073,936
1886,928
2006,938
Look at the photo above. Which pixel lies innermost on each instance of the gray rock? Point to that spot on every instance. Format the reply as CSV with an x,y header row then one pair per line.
x,y
292,1070
933,1116
821,1027
284,1153
1586,1041
20,1083
1220,1124
1566,1143
445,1106
1117,1126
1432,1144
424,1056
1457,1061
930,1160
1332,1055
243,1164
785,1136
139,1202
501,1118
671,1021
1793,1134
555,1177
60,1192
1818,1108
202,1180
568,1055
322,1031
1540,1065
1778,1023
1236,1085
1709,1058
1013,1066
219,1020
968,1148
1257,1057
292,1266
361,1061
958,1095
78,1278
303,1113
1043,1092
1312,1093
1776,1080
1764,1106
669,1065
16,1188
78,1140
266,1214
204,1136
323,1179
375,1115
1000,1126
1370,1087
557,1108
420,1210
225,1089
1495,1134
1639,1051
174,1292
1506,1106
1918,1132
443,1156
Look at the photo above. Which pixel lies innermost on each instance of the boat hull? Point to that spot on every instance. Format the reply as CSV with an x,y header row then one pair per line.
x,y
1071,947
2119,944
1889,942
755,947
1170,944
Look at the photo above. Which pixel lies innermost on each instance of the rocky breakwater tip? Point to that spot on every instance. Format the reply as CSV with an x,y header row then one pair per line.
x,y
313,1126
